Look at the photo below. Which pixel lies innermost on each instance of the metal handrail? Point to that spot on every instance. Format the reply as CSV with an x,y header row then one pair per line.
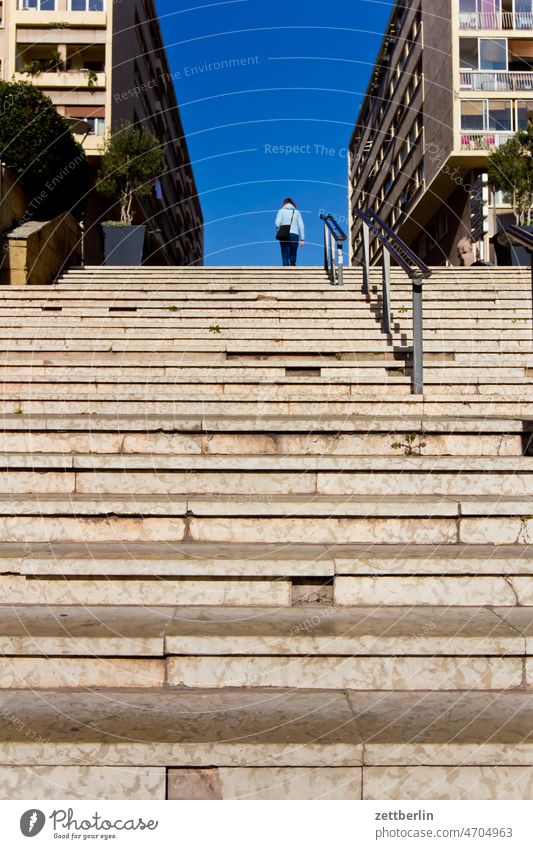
x,y
334,237
418,271
515,235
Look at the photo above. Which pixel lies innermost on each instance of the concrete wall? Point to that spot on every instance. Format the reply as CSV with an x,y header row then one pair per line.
x,y
38,251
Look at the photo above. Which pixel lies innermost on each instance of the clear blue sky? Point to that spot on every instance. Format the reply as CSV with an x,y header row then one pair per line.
x,y
295,77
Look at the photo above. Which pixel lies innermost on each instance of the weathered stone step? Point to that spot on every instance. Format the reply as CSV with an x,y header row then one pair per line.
x,y
196,631
223,372
248,519
304,397
256,727
381,356
396,673
269,483
387,444
155,339
240,560
232,462
409,406
145,591
359,673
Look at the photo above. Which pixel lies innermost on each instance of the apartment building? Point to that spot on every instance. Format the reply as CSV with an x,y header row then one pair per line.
x,y
103,62
452,81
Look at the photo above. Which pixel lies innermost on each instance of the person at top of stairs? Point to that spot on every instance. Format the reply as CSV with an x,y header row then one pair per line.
x,y
289,231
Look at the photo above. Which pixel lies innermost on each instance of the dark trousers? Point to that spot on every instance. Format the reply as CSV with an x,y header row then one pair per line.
x,y
289,250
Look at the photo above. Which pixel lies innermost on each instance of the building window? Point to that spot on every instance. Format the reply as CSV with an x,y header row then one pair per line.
x,y
473,115
523,109
492,115
39,5
493,54
86,5
499,116
483,54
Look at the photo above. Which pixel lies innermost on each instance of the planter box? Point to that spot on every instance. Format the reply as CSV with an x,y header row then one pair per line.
x,y
124,245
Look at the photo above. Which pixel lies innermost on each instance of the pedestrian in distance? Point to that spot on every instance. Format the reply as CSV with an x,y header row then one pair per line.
x,y
290,231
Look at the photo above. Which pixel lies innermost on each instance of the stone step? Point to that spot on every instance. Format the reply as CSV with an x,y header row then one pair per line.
x,y
399,464
154,339
304,397
234,372
256,727
32,362
408,406
454,482
319,443
195,631
358,673
428,520
439,673
290,561
275,308
141,591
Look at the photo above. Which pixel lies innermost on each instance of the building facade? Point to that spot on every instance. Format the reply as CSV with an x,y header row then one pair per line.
x,y
102,63
453,80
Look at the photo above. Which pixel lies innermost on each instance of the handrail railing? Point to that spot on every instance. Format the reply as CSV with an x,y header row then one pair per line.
x,y
515,235
334,237
393,247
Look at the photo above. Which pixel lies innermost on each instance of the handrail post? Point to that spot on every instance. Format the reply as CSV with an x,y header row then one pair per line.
x,y
386,299
340,264
366,258
328,255
332,248
418,336
531,258
326,261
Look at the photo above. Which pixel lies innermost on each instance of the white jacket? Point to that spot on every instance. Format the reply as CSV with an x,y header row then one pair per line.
x,y
284,217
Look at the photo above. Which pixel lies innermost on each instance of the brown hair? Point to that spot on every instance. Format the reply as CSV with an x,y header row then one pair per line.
x,y
288,200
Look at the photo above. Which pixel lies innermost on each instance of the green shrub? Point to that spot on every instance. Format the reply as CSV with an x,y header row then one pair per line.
x,y
37,145
132,161
510,170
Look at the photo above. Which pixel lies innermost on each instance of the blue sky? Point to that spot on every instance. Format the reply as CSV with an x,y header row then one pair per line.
x,y
273,114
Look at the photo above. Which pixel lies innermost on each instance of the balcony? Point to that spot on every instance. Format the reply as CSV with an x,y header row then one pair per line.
x,y
496,80
76,79
496,20
487,140
58,18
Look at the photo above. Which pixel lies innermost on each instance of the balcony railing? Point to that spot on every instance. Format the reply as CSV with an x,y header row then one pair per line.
x,y
495,20
487,140
497,80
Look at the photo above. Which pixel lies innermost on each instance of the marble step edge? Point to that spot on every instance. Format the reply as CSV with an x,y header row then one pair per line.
x,y
236,423
264,506
151,461
399,673
281,560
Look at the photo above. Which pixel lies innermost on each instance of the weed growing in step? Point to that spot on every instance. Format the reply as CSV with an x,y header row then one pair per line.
x,y
411,447
172,309
338,355
215,328
18,411
402,310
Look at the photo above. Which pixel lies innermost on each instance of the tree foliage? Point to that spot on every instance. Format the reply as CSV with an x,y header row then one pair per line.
x,y
510,170
131,164
37,145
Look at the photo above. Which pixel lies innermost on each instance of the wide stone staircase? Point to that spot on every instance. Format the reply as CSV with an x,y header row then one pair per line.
x,y
239,559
